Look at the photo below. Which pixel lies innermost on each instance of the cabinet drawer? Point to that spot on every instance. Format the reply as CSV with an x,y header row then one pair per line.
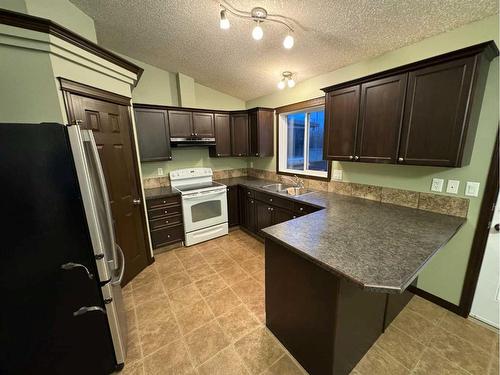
x,y
167,235
157,202
165,221
274,200
163,211
303,209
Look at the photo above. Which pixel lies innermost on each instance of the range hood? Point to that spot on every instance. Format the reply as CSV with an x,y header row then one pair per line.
x,y
192,142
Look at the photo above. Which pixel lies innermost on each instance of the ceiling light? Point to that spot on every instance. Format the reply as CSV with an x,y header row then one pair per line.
x,y
259,15
224,22
286,80
257,32
288,42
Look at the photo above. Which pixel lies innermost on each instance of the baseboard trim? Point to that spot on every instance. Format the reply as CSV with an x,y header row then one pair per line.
x,y
435,299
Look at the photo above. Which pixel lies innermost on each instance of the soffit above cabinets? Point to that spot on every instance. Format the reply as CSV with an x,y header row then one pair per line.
x,y
185,35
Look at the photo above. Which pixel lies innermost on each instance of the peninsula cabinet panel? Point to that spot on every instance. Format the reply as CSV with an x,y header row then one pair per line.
x,y
381,117
342,107
203,125
436,108
239,134
222,136
181,124
153,134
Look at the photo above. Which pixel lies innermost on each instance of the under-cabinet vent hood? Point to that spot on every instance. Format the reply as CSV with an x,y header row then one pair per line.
x,y
192,142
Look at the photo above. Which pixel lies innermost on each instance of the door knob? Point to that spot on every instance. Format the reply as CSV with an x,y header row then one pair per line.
x,y
136,202
71,265
497,227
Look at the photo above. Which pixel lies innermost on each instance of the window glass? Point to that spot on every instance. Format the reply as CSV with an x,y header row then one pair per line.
x,y
295,141
315,149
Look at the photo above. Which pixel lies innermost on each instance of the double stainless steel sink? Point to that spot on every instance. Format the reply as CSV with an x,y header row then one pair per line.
x,y
286,189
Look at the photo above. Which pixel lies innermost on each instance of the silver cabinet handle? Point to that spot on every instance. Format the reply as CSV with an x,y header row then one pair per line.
x,y
301,209
71,265
294,217
356,157
401,159
196,134
86,309
351,157
166,211
136,201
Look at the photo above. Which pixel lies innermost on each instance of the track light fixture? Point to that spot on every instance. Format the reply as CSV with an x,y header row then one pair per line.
x,y
258,15
286,80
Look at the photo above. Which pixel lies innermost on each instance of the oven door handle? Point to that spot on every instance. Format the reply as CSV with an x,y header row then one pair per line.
x,y
203,195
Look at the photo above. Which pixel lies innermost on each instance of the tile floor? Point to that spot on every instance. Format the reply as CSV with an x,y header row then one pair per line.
x,y
200,310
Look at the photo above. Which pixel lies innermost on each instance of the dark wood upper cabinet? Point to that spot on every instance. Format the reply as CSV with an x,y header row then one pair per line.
x,y
181,124
261,132
424,113
222,136
381,117
436,107
239,134
342,109
203,125
152,134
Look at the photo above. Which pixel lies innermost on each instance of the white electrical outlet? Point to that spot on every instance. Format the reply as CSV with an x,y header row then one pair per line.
x,y
160,171
472,189
337,174
452,186
437,184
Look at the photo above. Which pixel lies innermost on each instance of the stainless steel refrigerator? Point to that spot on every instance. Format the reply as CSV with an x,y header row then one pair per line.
x,y
60,268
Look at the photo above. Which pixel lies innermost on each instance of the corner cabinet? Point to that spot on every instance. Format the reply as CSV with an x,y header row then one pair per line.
x,y
239,134
153,134
424,113
222,146
261,132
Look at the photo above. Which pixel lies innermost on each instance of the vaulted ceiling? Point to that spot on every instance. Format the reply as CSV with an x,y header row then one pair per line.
x,y
184,35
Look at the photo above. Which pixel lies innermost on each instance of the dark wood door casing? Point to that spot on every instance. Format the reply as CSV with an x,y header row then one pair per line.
x,y
380,120
181,124
341,123
112,128
203,124
435,111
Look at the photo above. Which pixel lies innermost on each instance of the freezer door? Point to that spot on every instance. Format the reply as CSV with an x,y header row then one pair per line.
x,y
95,200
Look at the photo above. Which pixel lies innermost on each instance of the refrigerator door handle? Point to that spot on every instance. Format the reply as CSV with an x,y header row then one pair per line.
x,y
71,265
86,309
104,191
122,266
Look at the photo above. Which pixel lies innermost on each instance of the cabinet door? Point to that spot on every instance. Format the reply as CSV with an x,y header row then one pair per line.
x,y
437,101
222,135
181,124
232,206
239,134
153,134
242,197
203,125
250,214
253,135
381,117
281,215
263,215
342,110
265,122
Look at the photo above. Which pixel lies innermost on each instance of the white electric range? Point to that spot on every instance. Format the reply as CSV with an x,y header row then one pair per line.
x,y
204,204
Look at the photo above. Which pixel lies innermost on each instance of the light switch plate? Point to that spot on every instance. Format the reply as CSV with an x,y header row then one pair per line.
x,y
452,186
160,171
472,189
437,184
337,174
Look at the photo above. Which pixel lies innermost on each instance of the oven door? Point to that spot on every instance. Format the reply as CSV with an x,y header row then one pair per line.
x,y
205,209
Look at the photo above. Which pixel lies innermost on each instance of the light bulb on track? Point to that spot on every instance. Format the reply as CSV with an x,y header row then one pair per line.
x,y
257,32
288,42
224,22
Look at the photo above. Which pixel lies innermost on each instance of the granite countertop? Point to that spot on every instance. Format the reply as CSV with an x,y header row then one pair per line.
x,y
160,192
381,247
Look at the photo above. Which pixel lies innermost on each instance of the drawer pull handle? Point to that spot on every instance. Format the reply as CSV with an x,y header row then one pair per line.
x,y
168,235
301,209
166,221
164,201
166,211
294,217
270,199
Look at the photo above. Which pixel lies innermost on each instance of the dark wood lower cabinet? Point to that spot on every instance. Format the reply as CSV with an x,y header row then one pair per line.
x,y
233,215
327,323
263,216
165,220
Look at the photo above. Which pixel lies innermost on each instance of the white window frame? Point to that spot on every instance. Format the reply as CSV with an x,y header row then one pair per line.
x,y
283,145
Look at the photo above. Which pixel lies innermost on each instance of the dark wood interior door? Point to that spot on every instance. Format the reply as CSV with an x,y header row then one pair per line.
x,y
111,126
239,134
222,135
181,124
342,110
203,125
435,111
381,116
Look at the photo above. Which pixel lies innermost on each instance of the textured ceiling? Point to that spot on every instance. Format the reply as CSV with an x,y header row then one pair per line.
x,y
184,35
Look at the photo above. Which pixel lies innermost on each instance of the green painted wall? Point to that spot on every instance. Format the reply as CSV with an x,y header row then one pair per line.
x,y
445,274
213,99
